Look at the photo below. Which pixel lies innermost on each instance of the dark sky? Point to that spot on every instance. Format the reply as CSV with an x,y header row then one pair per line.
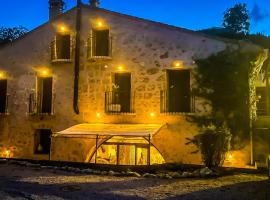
x,y
191,14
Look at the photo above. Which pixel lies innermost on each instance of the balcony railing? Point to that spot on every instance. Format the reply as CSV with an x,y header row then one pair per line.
x,y
35,105
261,107
93,54
119,102
166,108
4,108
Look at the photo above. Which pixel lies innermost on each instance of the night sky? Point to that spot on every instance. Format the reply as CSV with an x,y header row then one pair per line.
x,y
191,14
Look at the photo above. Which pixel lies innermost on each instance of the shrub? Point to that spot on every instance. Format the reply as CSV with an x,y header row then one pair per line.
x,y
213,143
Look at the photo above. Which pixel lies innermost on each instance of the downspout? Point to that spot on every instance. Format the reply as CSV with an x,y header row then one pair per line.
x,y
77,58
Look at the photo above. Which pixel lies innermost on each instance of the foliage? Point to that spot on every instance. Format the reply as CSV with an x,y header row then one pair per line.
x,y
236,19
213,143
94,3
223,79
10,34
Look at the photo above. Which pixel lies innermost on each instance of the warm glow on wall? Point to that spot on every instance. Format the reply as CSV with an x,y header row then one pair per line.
x,y
120,68
62,28
152,114
7,152
2,75
98,114
43,71
178,64
100,24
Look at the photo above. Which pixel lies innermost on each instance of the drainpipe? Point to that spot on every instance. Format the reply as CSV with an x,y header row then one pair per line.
x,y
77,57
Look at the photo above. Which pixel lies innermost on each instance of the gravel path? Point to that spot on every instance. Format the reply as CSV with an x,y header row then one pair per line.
x,y
17,182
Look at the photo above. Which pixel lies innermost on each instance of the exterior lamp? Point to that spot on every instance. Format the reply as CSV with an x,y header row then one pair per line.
x,y
100,23
98,114
1,75
120,68
44,72
178,64
152,114
7,153
63,28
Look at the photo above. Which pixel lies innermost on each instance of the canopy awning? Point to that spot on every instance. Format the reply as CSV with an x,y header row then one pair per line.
x,y
135,130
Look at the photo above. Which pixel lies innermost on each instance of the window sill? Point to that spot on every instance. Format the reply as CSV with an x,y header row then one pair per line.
x,y
5,114
178,113
62,61
121,113
100,58
41,114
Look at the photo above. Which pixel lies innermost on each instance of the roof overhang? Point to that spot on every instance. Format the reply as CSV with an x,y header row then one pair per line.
x,y
127,130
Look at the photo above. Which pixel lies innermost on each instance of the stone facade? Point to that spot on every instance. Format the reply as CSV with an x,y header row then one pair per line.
x,y
145,49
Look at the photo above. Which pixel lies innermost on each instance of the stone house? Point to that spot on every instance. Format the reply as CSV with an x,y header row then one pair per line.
x,y
96,86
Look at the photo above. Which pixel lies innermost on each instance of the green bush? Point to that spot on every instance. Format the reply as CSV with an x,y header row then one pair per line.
x,y
213,144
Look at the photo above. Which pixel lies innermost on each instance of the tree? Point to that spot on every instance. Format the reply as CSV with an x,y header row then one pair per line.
x,y
236,19
10,34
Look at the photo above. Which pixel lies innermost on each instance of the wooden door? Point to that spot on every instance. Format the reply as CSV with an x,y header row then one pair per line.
x,y
123,92
179,91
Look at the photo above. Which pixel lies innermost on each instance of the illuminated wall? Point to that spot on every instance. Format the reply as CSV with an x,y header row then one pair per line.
x,y
143,48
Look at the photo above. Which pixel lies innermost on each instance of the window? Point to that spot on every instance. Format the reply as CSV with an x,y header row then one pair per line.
x,y
42,141
100,43
177,98
61,48
3,96
119,100
127,151
44,95
261,101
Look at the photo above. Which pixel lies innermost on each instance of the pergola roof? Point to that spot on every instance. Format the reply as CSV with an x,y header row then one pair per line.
x,y
135,130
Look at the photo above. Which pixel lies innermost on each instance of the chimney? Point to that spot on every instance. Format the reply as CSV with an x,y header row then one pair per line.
x,y
56,8
94,3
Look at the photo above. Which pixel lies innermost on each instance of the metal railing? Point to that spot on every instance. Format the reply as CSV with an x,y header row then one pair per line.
x,y
119,102
166,108
91,49
261,108
35,105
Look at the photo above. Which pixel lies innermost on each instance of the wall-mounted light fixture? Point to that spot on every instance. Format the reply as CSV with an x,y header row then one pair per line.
x,y
120,68
152,114
2,75
178,64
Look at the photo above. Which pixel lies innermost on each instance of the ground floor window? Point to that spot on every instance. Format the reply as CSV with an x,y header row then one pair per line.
x,y
127,151
42,141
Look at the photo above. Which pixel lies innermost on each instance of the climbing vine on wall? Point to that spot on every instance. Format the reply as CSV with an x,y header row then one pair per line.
x,y
227,81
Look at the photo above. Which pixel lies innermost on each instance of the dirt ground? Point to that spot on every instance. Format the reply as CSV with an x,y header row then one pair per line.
x,y
17,182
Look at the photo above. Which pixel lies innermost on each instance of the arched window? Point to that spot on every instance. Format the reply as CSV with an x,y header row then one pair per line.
x,y
127,151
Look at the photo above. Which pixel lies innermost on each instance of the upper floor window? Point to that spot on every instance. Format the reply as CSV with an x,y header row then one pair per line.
x,y
261,101
61,48
177,97
100,44
3,96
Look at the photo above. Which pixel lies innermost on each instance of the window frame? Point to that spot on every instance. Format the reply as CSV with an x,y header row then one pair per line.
x,y
54,55
90,46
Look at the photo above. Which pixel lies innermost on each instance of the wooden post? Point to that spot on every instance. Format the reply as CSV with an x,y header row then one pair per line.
x,y
149,150
96,149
